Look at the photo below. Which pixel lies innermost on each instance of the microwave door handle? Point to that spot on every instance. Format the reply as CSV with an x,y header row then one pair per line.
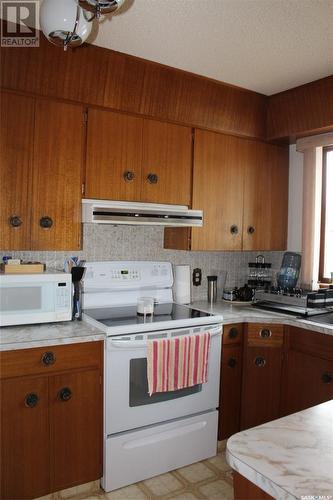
x,y
139,344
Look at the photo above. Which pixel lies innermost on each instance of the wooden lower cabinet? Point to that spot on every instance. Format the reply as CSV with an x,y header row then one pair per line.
x,y
245,490
51,423
231,381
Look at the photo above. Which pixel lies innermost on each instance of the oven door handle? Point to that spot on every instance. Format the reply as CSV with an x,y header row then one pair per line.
x,y
139,344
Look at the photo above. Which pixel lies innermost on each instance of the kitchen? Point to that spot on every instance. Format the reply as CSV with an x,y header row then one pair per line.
x,y
164,142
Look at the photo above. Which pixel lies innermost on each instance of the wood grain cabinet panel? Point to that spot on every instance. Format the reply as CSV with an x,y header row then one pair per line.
x,y
58,157
25,452
167,163
114,156
16,146
218,176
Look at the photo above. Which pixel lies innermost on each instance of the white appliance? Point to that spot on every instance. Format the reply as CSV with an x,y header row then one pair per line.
x,y
35,298
148,435
138,213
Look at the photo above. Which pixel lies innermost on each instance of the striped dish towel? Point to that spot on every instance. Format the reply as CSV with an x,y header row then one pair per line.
x,y
177,362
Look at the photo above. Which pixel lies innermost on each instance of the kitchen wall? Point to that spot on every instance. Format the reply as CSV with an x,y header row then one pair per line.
x,y
103,242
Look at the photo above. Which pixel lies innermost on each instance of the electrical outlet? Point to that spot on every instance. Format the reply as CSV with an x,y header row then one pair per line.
x,y
196,276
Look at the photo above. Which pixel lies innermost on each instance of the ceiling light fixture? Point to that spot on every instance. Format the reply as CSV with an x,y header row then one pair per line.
x,y
67,23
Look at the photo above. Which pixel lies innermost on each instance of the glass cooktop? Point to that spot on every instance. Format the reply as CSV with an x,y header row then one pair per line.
x,y
127,315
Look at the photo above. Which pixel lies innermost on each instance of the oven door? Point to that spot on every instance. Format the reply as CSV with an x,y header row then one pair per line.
x,y
127,402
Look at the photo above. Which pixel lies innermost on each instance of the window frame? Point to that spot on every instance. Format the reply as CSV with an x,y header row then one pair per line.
x,y
322,278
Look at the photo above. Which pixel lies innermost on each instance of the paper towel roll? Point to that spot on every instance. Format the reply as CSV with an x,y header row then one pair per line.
x,y
182,285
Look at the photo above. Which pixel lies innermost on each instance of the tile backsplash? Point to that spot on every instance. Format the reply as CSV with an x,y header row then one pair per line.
x,y
103,242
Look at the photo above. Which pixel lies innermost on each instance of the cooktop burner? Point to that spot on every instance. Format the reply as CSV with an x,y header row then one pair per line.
x,y
126,315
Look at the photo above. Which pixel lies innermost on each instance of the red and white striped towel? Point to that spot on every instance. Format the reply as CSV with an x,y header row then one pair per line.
x,y
177,362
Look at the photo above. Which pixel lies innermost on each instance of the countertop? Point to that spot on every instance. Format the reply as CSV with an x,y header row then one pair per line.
x,y
288,458
68,332
248,314
45,334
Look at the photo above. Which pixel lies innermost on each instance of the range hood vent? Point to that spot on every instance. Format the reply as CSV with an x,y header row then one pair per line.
x,y
135,213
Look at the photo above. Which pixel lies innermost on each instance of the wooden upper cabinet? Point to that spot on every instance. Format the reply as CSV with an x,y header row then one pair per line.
x,y
17,127
266,198
114,155
166,163
58,157
218,177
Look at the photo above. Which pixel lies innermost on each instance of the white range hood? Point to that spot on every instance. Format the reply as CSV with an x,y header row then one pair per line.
x,y
136,213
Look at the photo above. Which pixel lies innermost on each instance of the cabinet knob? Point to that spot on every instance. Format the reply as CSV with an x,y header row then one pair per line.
x,y
232,362
31,400
233,333
265,333
327,378
152,178
251,229
48,358
15,221
45,222
260,362
65,394
129,175
234,229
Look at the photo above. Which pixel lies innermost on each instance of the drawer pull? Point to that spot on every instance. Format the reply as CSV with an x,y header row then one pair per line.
x,y
45,222
31,400
232,362
327,378
265,333
65,394
48,358
129,176
233,333
251,230
152,178
260,362
234,229
15,221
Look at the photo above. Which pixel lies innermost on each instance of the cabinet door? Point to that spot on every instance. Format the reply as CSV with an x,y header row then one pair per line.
x,y
24,438
75,428
114,156
17,127
266,198
261,385
230,396
58,155
308,382
167,163
218,178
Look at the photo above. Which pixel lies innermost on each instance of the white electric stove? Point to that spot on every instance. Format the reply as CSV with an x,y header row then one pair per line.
x,y
148,435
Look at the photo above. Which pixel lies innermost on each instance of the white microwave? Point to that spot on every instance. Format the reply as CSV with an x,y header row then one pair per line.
x,y
35,298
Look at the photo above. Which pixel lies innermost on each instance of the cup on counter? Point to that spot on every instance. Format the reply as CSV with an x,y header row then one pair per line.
x,y
145,306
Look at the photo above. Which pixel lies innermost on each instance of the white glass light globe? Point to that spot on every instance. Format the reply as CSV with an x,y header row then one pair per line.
x,y
57,21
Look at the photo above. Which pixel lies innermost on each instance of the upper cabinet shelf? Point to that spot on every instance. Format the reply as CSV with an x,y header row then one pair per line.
x,y
135,159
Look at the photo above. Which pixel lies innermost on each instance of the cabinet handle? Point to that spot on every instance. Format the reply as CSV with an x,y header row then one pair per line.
x,y
45,222
129,176
15,221
265,333
251,229
232,362
234,229
233,333
31,400
48,358
327,378
65,394
152,178
260,362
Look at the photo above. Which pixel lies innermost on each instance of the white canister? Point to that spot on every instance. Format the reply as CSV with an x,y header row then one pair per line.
x,y
182,284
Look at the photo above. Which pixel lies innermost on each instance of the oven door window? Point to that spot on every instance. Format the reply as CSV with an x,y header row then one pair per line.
x,y
138,390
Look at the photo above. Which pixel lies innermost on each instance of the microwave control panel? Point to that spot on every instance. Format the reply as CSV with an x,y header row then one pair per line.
x,y
63,295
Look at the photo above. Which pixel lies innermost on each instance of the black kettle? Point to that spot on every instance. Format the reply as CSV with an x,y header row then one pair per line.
x,y
244,294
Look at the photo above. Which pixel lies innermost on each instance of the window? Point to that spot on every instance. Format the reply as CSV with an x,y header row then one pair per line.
x,y
326,243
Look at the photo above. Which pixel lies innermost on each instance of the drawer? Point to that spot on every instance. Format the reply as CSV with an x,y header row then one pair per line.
x,y
233,334
50,359
267,335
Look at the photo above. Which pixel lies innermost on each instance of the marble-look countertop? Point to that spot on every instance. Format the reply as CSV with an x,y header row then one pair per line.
x,y
248,314
45,334
288,458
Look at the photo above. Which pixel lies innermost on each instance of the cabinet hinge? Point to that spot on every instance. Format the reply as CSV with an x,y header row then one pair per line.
x,y
83,188
85,116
